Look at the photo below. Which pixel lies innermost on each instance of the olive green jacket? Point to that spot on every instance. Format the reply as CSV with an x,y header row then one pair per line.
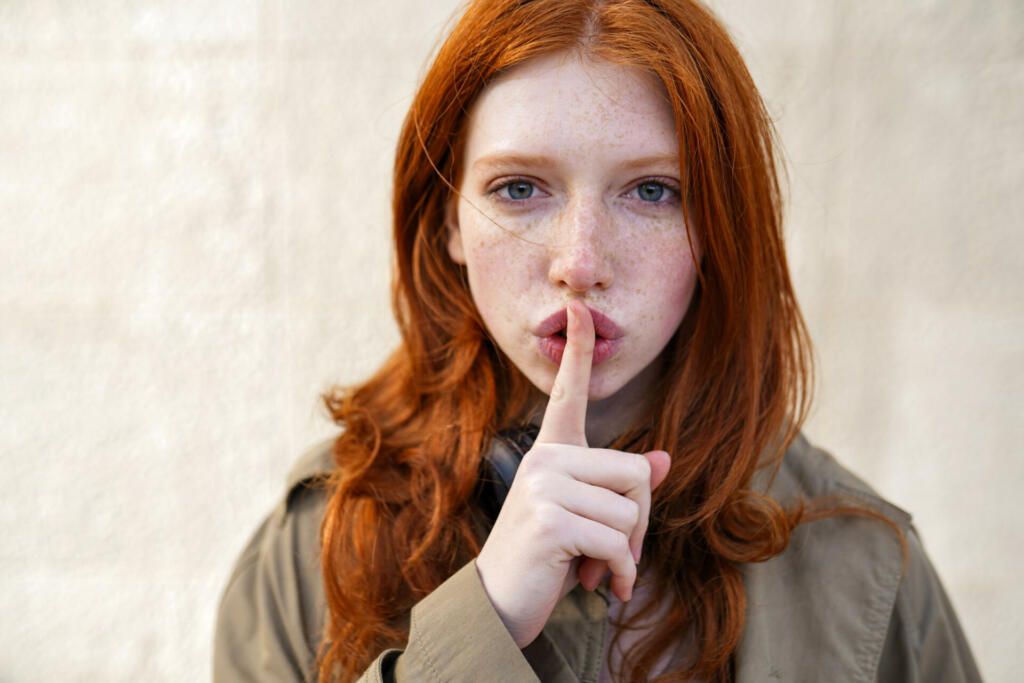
x,y
837,605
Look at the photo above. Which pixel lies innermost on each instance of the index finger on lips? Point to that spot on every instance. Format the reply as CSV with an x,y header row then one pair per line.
x,y
566,415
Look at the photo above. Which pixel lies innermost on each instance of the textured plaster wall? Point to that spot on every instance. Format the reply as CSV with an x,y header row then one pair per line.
x,y
193,222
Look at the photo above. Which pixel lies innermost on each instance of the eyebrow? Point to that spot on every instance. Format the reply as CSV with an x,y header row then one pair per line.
x,y
671,160
506,159
503,159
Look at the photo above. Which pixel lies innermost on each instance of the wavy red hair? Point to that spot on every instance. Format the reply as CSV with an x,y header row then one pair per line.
x,y
400,518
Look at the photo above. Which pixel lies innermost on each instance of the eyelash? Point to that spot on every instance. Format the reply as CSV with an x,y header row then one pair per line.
x,y
506,184
670,189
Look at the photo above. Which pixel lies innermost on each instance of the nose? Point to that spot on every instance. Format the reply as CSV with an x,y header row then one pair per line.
x,y
581,253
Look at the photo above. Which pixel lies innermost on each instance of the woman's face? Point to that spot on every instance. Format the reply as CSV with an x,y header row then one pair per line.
x,y
570,189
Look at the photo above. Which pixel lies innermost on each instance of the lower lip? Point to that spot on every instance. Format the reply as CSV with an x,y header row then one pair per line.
x,y
554,348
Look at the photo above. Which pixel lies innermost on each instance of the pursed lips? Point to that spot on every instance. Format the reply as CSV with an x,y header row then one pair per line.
x,y
556,322
551,337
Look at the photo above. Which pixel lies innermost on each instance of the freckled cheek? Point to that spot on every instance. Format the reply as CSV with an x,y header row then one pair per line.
x,y
655,252
499,279
677,271
664,276
495,261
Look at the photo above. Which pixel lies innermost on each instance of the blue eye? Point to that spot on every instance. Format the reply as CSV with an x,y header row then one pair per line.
x,y
650,191
519,189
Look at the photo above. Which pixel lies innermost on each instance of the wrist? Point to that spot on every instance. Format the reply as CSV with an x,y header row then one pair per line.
x,y
485,575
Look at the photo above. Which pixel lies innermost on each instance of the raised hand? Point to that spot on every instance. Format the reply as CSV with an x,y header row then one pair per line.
x,y
571,508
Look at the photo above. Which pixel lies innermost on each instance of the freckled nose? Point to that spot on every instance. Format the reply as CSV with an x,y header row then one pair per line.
x,y
580,250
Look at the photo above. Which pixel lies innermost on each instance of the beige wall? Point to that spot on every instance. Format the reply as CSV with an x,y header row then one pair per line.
x,y
193,214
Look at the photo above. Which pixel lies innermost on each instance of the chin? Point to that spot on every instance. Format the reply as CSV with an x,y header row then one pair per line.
x,y
605,380
602,388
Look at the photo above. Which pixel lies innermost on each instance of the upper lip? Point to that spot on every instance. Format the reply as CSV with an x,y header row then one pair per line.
x,y
604,326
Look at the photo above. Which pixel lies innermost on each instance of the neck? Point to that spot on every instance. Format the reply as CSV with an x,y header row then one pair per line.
x,y
610,417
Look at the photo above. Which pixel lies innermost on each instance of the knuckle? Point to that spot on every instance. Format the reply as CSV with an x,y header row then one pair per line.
x,y
640,468
548,520
631,512
614,545
537,487
643,466
622,544
621,560
532,461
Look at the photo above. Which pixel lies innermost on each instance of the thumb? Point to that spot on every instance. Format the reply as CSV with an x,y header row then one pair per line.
x,y
660,462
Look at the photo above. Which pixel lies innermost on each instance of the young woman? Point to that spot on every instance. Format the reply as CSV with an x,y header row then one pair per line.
x,y
584,462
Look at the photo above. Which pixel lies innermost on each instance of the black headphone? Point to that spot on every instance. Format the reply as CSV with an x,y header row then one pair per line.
x,y
500,464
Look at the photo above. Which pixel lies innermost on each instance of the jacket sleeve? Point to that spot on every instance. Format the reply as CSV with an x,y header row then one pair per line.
x,y
925,641
455,635
272,615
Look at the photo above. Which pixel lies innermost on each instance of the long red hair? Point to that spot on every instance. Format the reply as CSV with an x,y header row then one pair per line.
x,y
400,518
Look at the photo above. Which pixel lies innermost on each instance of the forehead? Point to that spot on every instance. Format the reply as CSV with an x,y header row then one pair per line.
x,y
568,104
